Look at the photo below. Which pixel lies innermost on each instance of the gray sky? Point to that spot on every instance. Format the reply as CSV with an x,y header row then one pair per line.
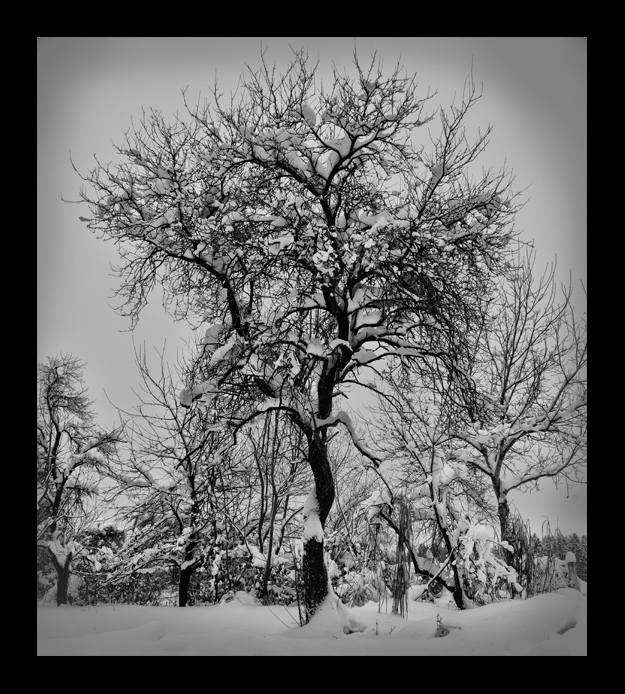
x,y
89,89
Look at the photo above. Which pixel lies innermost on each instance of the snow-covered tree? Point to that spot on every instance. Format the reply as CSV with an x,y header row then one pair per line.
x,y
167,475
72,453
523,396
185,490
512,407
448,500
316,231
275,452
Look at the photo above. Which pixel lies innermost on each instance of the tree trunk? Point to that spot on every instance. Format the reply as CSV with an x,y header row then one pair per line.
x,y
315,576
183,586
62,586
314,568
62,578
267,572
503,511
457,591
185,574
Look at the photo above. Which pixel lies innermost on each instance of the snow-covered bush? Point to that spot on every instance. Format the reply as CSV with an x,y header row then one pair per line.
x,y
356,588
485,578
552,573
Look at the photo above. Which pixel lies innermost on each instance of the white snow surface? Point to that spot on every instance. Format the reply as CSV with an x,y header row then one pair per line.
x,y
550,624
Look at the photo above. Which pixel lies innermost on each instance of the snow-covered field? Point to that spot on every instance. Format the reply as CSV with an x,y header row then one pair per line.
x,y
550,624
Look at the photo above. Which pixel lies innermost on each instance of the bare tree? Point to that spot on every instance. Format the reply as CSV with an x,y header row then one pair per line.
x,y
445,497
169,473
314,234
277,450
72,455
524,395
512,405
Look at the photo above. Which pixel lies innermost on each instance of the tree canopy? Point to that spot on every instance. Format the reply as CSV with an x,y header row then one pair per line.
x,y
316,232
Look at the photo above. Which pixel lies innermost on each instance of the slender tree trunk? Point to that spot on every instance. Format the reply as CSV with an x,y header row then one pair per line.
x,y
185,573
267,572
457,591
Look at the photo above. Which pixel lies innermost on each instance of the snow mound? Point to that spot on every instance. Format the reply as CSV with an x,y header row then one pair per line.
x,y
575,595
240,596
332,619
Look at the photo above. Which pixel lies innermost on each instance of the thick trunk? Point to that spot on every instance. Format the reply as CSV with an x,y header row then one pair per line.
x,y
503,510
62,579
62,586
322,473
314,568
315,576
183,587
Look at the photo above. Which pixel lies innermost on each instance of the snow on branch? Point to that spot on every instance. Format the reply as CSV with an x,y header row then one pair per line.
x,y
312,523
344,418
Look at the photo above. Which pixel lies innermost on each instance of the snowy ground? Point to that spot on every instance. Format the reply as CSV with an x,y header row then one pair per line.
x,y
551,624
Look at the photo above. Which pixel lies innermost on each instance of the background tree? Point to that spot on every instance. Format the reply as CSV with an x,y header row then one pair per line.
x,y
277,453
72,455
100,542
579,546
516,394
315,234
168,475
186,493
524,394
449,500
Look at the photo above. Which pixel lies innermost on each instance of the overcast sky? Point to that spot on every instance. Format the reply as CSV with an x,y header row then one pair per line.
x,y
89,90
